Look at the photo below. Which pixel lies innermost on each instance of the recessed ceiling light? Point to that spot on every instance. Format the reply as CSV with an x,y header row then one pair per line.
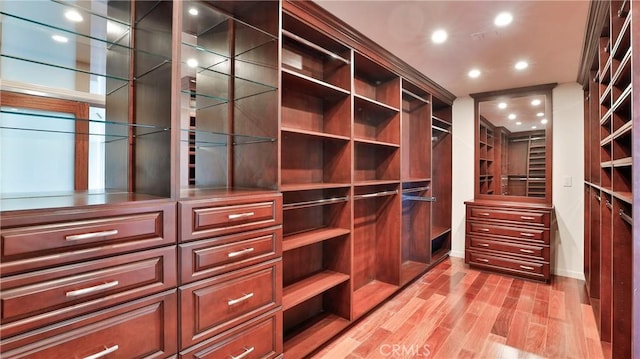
x,y
439,36
540,114
59,38
474,73
193,11
544,121
536,102
521,65
512,116
518,123
502,105
534,127
503,19
192,63
73,15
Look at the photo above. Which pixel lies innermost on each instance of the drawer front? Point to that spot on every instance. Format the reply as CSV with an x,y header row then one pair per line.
x,y
209,257
536,252
525,234
512,265
41,245
257,338
539,218
211,306
40,298
206,219
142,328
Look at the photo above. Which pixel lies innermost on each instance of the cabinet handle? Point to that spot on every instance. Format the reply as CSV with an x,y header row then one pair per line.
x,y
79,237
95,288
527,218
484,214
483,245
241,299
244,354
527,267
484,229
526,250
524,234
240,215
106,351
240,252
482,260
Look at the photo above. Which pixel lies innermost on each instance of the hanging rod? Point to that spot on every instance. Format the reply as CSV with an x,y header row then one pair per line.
x,y
414,96
440,129
625,217
313,46
415,189
419,198
318,202
376,194
609,205
440,120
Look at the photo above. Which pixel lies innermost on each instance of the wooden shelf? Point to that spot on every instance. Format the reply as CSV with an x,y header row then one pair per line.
x,y
312,334
291,187
294,81
437,231
315,134
375,183
309,287
366,102
370,295
376,143
314,236
411,270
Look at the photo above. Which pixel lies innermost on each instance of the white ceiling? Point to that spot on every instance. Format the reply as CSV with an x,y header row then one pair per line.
x,y
548,34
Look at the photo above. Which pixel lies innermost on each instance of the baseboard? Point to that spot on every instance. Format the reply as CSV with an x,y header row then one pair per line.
x,y
457,254
568,273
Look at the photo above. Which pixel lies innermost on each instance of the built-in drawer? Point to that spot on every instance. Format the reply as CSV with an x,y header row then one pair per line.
x,y
519,267
527,234
536,252
257,338
42,297
141,328
213,305
539,218
208,257
53,239
214,217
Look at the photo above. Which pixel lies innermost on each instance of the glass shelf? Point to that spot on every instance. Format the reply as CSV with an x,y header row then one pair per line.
x,y
204,139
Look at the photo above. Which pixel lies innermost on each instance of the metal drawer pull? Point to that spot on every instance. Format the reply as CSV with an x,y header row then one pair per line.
x,y
526,250
241,252
107,351
484,229
246,352
95,288
527,234
79,237
527,218
484,214
527,267
241,299
482,260
240,215
483,245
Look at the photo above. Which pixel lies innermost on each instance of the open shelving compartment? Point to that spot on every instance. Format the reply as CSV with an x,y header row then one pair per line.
x,y
316,266
441,184
376,247
416,133
416,229
76,92
228,94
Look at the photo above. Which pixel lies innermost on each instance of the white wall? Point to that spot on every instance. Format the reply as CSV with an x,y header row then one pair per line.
x,y
567,162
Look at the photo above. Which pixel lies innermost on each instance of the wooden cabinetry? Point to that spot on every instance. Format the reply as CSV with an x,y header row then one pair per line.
x,y
509,237
611,150
487,158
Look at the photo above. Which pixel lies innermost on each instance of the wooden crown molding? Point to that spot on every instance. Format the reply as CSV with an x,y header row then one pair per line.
x,y
596,19
317,16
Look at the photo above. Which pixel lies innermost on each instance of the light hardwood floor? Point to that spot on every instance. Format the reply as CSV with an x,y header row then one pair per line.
x,y
457,312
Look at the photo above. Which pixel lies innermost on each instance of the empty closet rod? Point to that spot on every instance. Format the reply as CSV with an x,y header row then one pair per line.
x,y
415,189
608,204
439,129
414,96
441,120
376,194
418,198
318,202
625,217
313,46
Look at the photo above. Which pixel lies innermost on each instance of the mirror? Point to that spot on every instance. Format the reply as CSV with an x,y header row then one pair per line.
x,y
513,144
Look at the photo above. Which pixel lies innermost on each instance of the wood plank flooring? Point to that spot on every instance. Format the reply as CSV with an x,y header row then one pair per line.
x,y
457,312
